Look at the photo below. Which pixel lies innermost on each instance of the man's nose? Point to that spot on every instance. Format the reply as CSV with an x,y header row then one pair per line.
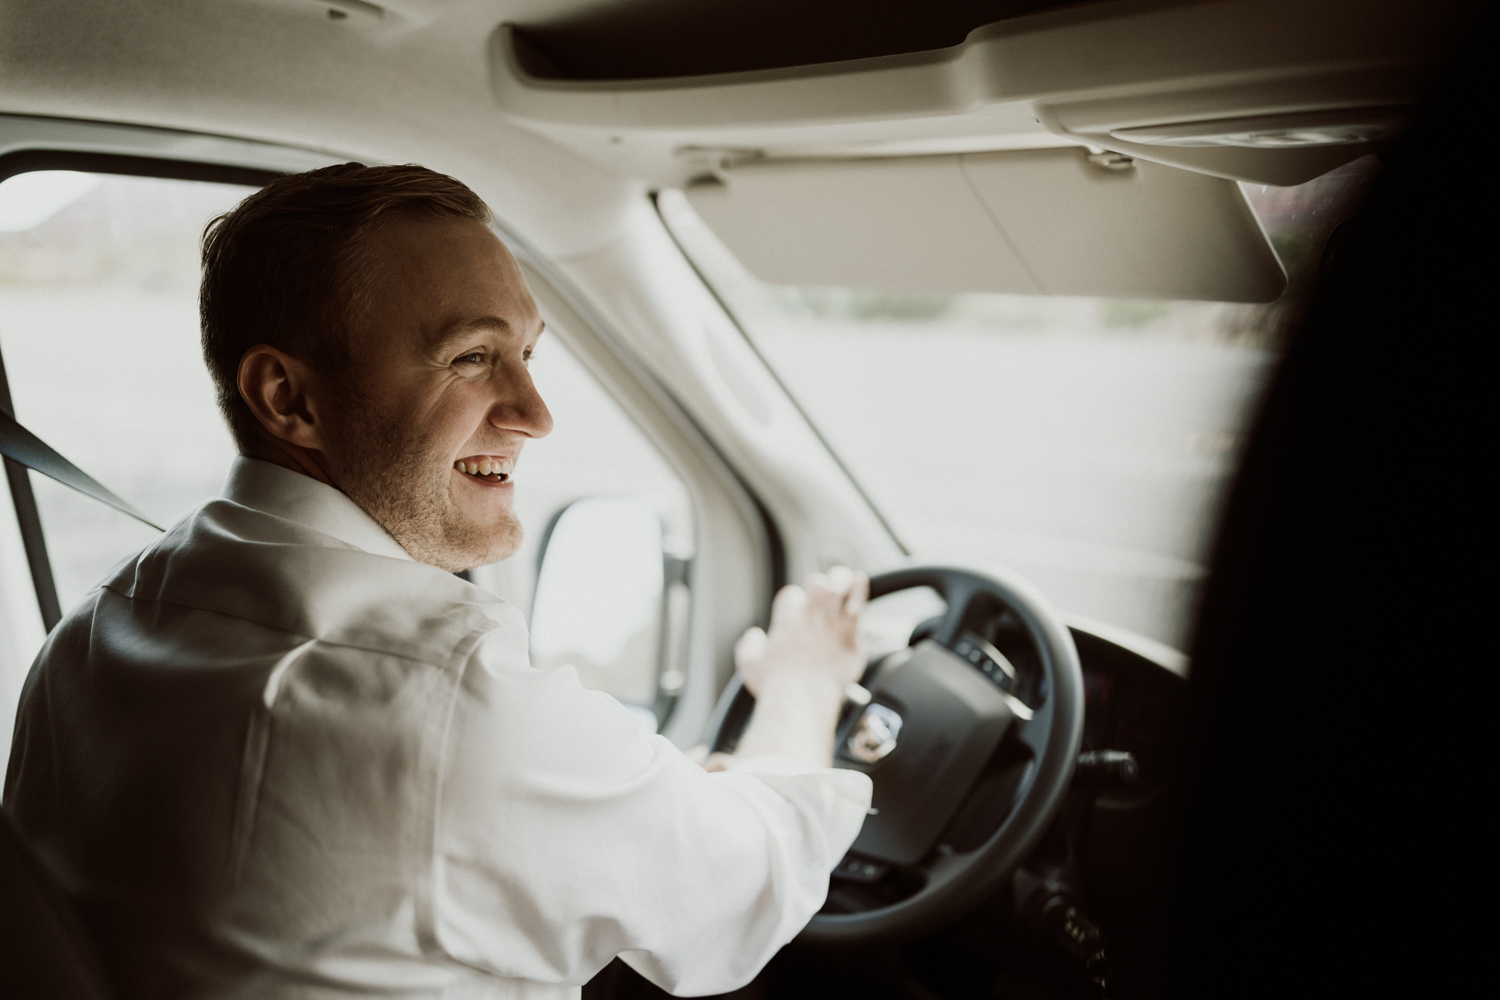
x,y
519,407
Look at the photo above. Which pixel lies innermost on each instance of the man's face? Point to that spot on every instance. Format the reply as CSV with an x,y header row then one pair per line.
x,y
438,384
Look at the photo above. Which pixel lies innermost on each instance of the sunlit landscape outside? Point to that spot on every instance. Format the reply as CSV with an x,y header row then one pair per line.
x,y
1086,443
99,329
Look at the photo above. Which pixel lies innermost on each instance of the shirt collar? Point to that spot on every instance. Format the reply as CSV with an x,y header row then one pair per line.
x,y
273,489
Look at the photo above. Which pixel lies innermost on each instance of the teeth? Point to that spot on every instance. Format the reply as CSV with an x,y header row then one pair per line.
x,y
485,467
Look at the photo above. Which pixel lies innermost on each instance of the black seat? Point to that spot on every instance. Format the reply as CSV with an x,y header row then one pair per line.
x,y
1337,842
45,951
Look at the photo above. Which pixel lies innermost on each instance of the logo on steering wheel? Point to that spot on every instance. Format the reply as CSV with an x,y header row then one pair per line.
x,y
874,737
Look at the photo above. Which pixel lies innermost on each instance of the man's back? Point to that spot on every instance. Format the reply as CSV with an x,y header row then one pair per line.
x,y
273,755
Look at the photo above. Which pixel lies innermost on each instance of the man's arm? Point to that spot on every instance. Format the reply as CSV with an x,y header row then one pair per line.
x,y
567,833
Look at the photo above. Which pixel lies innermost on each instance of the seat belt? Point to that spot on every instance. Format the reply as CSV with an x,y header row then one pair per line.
x,y
20,445
30,523
23,450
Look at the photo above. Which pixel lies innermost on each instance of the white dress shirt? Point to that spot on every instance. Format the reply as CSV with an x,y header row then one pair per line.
x,y
272,756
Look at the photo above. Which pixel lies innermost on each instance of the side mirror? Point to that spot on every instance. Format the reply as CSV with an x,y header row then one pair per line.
x,y
610,602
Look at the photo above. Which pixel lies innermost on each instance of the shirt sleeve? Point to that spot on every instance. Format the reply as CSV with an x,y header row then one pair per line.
x,y
567,833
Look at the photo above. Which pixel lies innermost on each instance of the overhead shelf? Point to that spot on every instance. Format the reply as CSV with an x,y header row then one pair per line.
x,y
1108,75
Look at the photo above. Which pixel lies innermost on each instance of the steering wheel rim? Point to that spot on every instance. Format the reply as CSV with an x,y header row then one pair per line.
x,y
953,882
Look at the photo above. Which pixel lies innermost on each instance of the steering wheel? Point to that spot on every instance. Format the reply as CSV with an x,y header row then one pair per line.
x,y
942,711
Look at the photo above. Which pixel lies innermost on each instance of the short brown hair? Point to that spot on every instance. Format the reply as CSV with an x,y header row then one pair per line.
x,y
290,266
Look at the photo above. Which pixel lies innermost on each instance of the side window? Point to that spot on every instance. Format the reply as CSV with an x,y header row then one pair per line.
x,y
99,334
99,339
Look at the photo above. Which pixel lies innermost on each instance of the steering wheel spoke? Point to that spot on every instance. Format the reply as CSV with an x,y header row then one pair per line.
x,y
1034,732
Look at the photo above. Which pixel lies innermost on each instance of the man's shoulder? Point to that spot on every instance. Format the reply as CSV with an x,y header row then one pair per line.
x,y
269,572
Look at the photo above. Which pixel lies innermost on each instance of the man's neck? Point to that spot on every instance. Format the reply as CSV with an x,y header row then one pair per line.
x,y
289,456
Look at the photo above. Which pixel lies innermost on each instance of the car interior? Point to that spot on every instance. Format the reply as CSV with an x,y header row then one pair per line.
x,y
1128,345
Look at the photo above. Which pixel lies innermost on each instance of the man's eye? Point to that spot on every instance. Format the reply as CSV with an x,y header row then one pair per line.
x,y
472,358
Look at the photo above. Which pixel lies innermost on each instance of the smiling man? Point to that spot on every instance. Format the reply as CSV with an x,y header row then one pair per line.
x,y
421,424
286,752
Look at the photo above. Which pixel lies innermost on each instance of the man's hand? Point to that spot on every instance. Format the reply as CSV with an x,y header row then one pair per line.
x,y
710,762
814,632
799,671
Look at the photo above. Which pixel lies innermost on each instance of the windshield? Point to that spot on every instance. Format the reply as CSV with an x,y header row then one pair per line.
x,y
1084,442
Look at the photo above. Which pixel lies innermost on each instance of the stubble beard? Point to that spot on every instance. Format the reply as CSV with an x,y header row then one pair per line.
x,y
405,483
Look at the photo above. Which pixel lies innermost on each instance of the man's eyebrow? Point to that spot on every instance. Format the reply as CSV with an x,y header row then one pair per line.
x,y
463,328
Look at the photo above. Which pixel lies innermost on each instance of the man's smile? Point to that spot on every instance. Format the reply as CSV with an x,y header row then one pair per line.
x,y
486,468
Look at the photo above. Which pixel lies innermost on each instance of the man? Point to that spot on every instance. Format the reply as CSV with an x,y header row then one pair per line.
x,y
286,752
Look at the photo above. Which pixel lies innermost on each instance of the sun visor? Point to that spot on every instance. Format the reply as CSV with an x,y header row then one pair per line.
x,y
1047,222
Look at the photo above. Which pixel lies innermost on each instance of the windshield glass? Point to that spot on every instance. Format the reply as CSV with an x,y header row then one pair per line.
x,y
1085,442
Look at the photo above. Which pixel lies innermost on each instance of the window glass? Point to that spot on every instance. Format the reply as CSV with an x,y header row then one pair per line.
x,y
99,325
99,332
1084,442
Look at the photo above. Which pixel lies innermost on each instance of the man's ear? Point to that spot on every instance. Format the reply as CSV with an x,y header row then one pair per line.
x,y
279,390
